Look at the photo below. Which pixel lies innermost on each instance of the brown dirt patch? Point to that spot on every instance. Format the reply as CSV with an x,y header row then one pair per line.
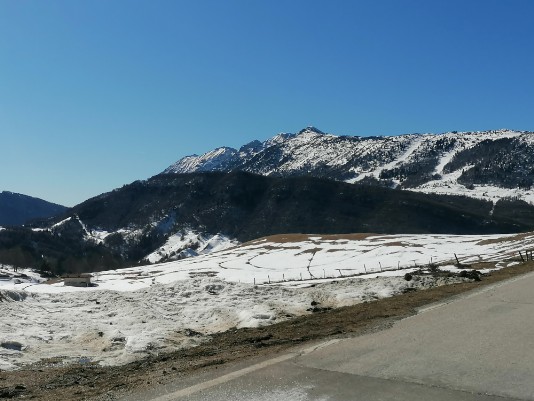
x,y
403,244
385,237
269,247
310,251
89,382
478,266
284,238
517,237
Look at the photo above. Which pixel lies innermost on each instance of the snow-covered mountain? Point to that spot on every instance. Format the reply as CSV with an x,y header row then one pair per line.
x,y
487,164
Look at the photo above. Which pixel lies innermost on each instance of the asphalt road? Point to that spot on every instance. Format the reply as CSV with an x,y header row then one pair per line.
x,y
479,346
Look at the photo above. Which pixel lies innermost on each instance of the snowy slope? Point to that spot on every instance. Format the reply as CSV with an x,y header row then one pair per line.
x,y
418,162
135,312
215,160
178,245
186,244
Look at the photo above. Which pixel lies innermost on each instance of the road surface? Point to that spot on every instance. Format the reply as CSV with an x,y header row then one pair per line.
x,y
476,347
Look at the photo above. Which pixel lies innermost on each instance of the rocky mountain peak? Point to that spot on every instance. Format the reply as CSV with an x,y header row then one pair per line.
x,y
311,130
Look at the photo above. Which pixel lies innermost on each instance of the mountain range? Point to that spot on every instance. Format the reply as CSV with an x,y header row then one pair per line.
x,y
17,209
171,216
486,165
309,182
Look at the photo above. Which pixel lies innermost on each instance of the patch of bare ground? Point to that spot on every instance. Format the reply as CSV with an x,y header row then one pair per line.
x,y
403,244
269,247
332,250
518,237
285,238
479,265
310,251
92,382
384,237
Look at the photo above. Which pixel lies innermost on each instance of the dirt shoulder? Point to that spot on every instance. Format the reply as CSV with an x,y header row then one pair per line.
x,y
92,382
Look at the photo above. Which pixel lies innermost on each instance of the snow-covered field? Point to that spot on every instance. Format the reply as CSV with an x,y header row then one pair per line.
x,y
133,312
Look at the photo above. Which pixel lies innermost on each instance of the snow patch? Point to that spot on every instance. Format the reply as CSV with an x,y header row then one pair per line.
x,y
190,243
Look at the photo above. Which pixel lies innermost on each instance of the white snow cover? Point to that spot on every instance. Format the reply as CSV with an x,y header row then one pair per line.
x,y
190,243
62,222
134,312
391,152
9,277
210,160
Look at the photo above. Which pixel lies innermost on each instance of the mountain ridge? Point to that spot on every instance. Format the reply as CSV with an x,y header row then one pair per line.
x,y
479,164
307,182
17,209
171,216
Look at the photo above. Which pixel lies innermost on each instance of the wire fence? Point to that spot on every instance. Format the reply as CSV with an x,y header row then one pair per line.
x,y
526,255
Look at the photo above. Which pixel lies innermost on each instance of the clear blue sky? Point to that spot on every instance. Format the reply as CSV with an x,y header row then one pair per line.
x,y
96,94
